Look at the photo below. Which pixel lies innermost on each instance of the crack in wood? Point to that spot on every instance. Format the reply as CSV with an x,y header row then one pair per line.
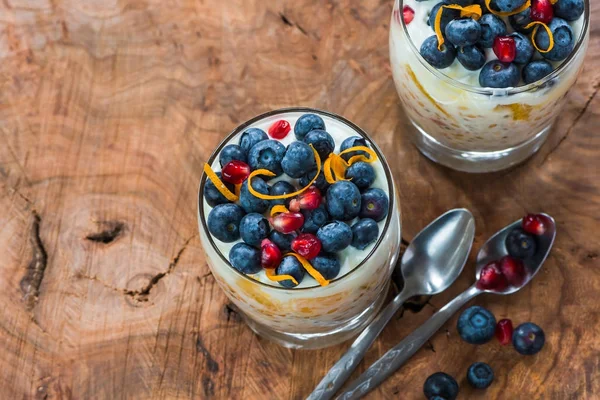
x,y
31,282
211,364
287,21
113,230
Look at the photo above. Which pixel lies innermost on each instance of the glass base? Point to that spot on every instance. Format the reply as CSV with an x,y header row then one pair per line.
x,y
477,161
324,339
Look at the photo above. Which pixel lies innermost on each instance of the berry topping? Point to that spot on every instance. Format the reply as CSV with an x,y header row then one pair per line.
x,y
528,338
570,10
364,232
270,255
442,385
307,123
521,20
374,204
343,201
282,188
267,154
224,222
476,325
335,236
507,6
232,152
250,137
504,331
308,200
491,26
299,158
534,224
536,70
353,141
448,15
235,172
251,203
557,46
480,375
505,48
314,219
287,222
212,195
438,58
327,264
361,174
520,244
524,48
463,32
254,228
408,14
307,245
471,57
282,240
219,185
279,129
496,74
290,266
321,141
245,258
321,183
513,269
541,11
491,278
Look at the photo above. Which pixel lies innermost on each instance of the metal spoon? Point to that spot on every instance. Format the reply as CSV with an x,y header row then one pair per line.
x,y
430,264
492,250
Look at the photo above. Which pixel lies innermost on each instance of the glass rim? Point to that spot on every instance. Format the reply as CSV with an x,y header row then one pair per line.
x,y
501,91
241,128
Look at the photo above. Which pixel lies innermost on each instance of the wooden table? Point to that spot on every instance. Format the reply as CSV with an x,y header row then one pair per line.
x,y
108,111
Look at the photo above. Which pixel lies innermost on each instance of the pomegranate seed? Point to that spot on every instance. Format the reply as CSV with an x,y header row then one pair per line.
x,y
307,245
308,200
505,48
491,278
541,11
235,172
287,222
270,255
504,331
408,14
279,129
534,224
513,269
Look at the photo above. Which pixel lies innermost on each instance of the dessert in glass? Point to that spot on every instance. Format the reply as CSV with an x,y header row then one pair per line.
x,y
299,218
482,81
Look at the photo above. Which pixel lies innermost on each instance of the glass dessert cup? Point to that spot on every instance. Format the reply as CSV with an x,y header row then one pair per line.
x,y
317,316
475,129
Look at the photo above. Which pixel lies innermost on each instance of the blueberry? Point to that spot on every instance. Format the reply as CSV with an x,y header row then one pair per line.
x,y
343,200
374,204
231,152
364,232
353,141
442,385
307,123
321,141
462,3
463,32
253,204
254,228
290,266
224,222
279,188
521,20
314,219
497,74
250,137
267,154
491,26
509,5
524,48
476,325
570,10
471,57
564,40
212,196
480,375
299,158
448,15
520,244
438,59
528,338
335,236
536,70
321,183
361,174
327,264
245,258
282,240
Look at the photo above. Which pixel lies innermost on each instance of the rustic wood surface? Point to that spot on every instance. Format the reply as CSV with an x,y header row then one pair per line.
x,y
108,110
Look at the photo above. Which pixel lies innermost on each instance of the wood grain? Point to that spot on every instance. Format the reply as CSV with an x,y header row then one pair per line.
x,y
108,110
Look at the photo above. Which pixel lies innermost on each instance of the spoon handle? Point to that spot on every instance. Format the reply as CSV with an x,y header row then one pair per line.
x,y
341,371
398,355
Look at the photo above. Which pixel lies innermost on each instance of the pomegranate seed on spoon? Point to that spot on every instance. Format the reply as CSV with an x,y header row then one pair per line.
x,y
307,245
504,331
505,48
270,255
235,172
279,129
534,224
541,11
491,278
309,200
513,269
408,14
287,222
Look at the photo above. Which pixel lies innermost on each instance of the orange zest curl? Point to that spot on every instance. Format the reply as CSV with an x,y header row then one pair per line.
x,y
219,184
309,268
509,13
279,208
473,11
278,278
335,166
537,24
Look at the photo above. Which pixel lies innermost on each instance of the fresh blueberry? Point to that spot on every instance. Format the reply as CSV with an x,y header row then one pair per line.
x,y
307,123
497,74
438,59
282,240
250,137
480,375
224,222
471,57
536,70
321,141
364,232
254,228
267,154
570,10
290,266
314,219
253,204
279,188
564,40
521,20
353,141
212,196
335,236
343,200
442,385
245,258
509,5
524,48
520,244
321,183
448,15
491,27
476,325
528,338
462,3
374,204
231,152
327,264
463,32
361,174
299,158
